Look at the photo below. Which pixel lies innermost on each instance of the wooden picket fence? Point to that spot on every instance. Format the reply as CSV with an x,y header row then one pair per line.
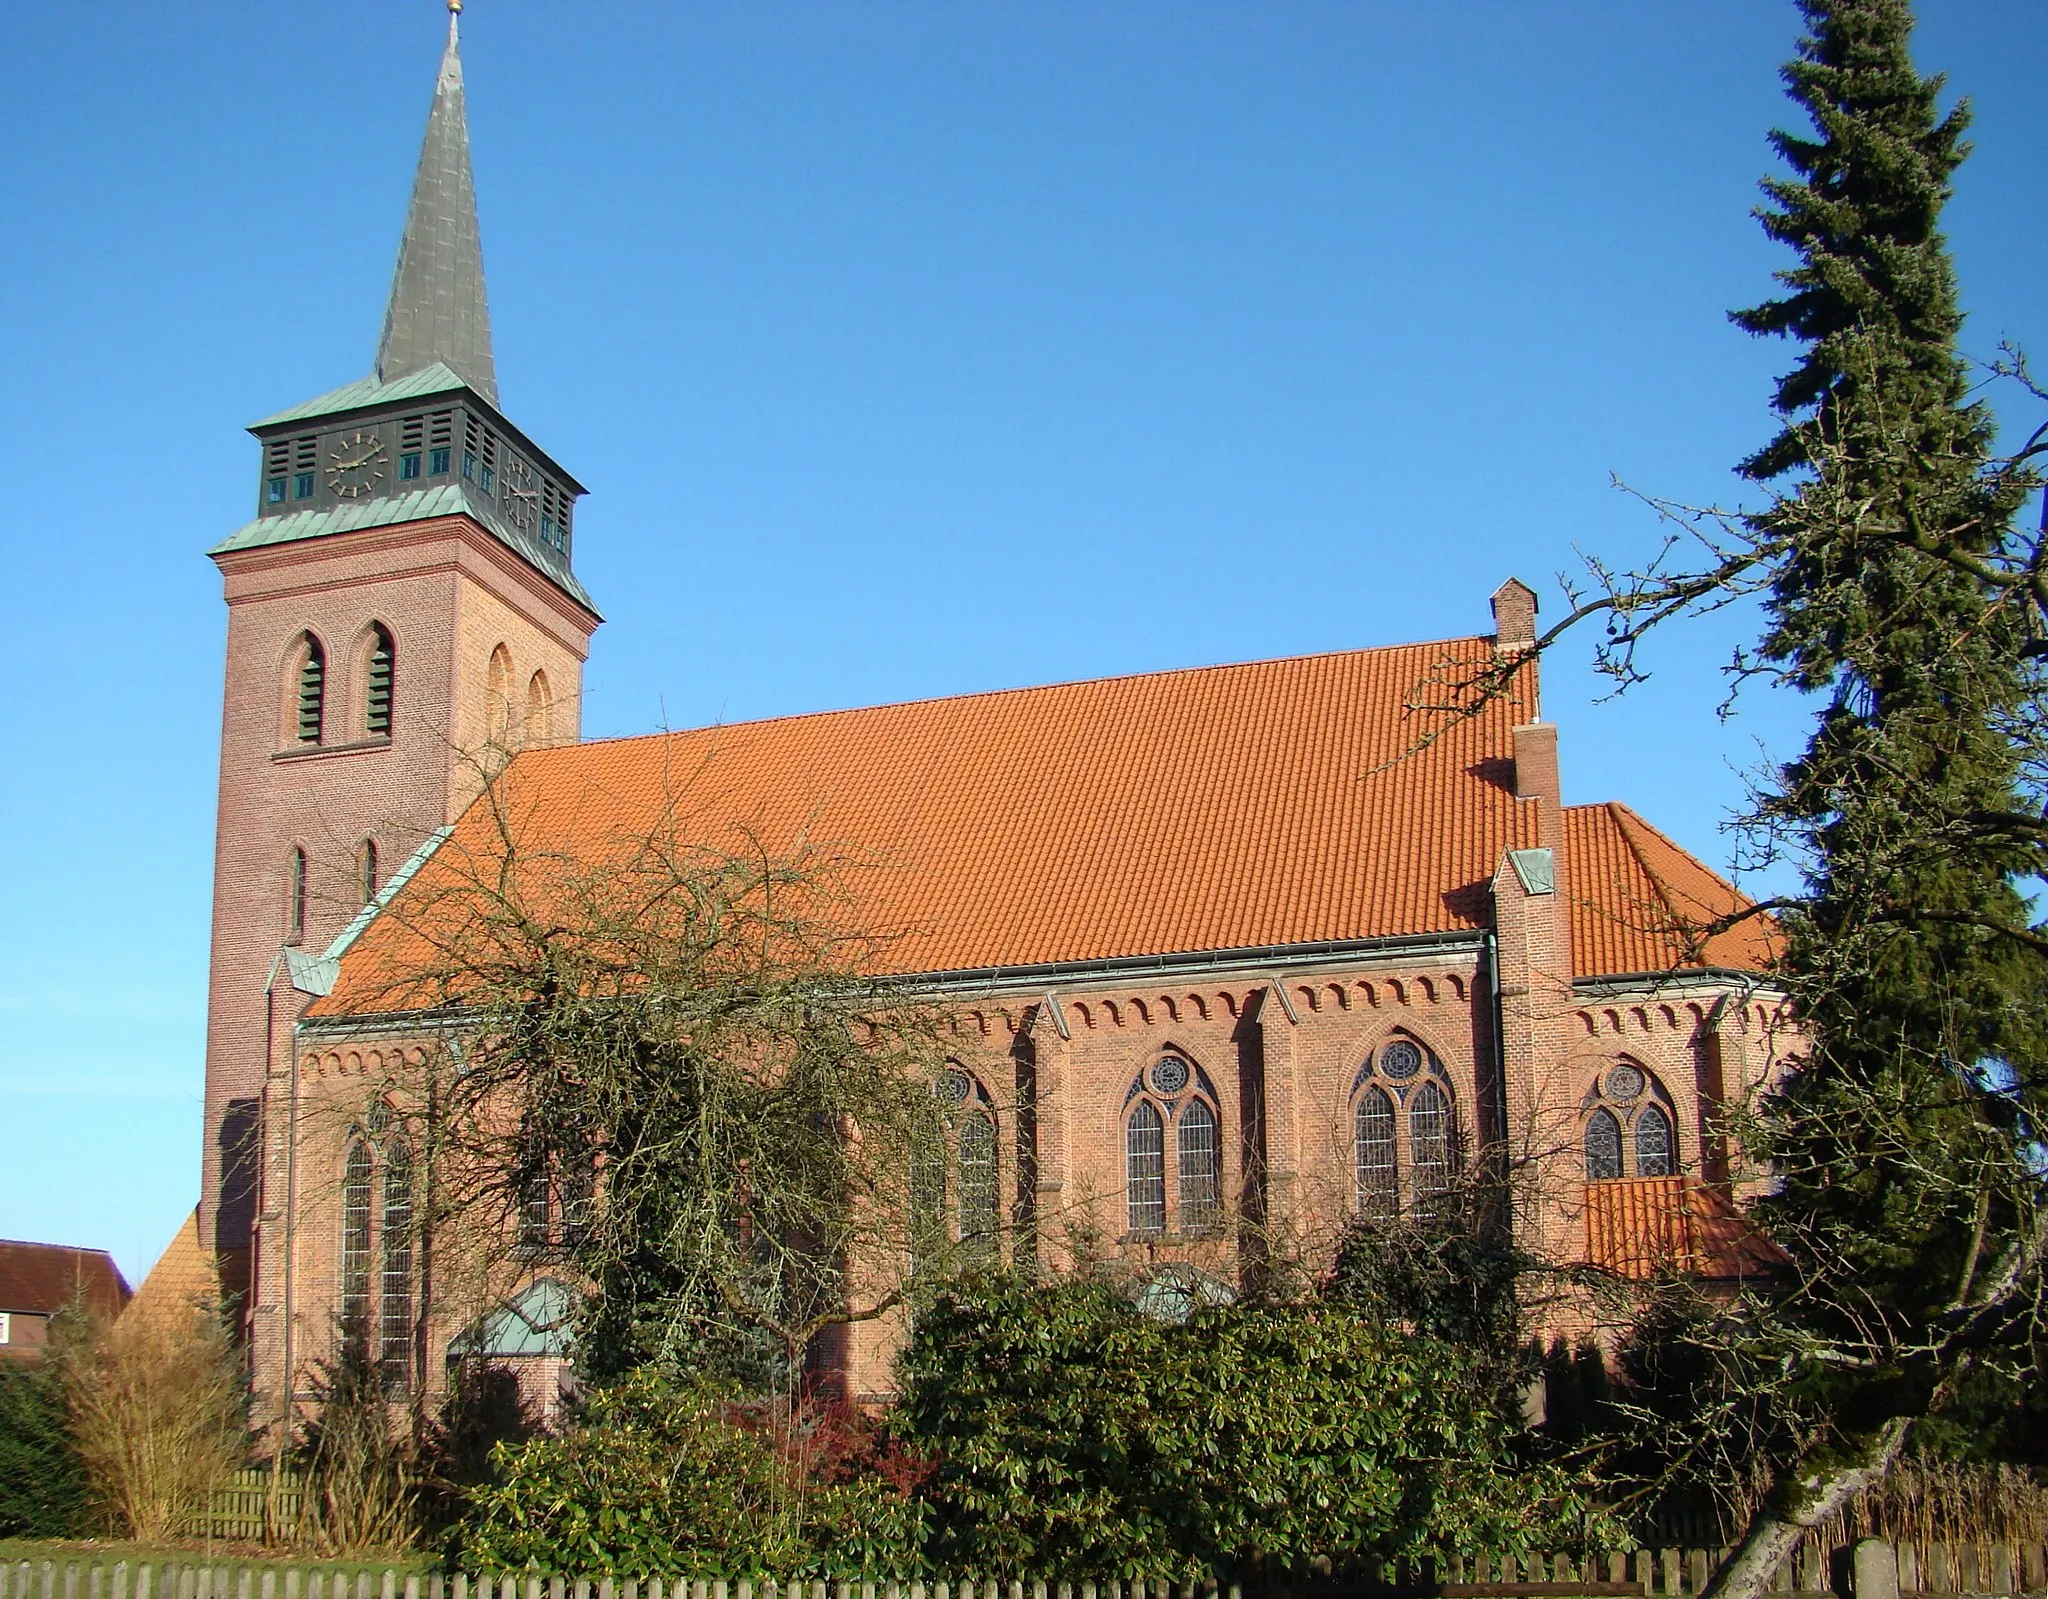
x,y
250,1508
1885,1571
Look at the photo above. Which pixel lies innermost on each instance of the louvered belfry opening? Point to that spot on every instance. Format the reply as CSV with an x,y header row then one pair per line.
x,y
312,691
377,694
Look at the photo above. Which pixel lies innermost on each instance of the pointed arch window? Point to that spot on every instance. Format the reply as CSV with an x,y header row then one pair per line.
x,y
1145,1169
312,691
1431,1149
1201,1175
1377,1157
540,709
367,881
1631,1128
978,1192
1653,1143
1603,1146
355,1241
498,698
394,1356
378,683
295,897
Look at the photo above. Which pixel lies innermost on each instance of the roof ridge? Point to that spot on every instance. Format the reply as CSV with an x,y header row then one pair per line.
x,y
1628,818
1030,688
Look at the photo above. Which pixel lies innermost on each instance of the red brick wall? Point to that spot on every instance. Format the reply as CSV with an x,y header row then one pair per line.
x,y
449,593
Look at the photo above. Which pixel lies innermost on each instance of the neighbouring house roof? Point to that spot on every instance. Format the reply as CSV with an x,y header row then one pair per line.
x,y
1641,904
41,1279
1217,809
1644,1227
184,1276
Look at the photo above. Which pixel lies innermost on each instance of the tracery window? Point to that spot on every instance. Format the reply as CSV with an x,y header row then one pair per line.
x,y
1173,1094
1653,1143
1377,1159
971,1211
377,1248
1431,1149
1603,1146
1631,1128
1201,1173
1145,1168
394,1355
355,1240
978,1190
556,1186
1403,1125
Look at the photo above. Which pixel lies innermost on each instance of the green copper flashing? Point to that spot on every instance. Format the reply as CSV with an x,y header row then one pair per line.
x,y
365,393
454,498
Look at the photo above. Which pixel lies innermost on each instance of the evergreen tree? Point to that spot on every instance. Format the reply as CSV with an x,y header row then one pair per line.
x,y
1907,1189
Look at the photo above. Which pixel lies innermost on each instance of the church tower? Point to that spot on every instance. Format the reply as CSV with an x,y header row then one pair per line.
x,y
402,605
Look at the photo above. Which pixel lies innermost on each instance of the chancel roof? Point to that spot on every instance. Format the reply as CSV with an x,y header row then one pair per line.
x,y
1226,810
1642,904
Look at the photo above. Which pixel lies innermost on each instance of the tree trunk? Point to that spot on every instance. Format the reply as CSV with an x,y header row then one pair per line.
x,y
1820,1484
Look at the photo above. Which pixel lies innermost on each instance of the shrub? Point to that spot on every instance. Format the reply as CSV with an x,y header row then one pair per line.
x,y
42,1481
360,1492
1072,1435
664,1478
155,1403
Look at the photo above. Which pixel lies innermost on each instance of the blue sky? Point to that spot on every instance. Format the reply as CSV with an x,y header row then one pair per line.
x,y
909,349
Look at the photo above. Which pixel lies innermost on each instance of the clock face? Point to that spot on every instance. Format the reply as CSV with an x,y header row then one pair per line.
x,y
357,465
522,494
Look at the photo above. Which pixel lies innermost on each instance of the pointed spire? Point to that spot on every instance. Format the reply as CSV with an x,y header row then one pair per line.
x,y
437,310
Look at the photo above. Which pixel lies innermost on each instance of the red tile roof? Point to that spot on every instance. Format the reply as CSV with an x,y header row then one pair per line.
x,y
1640,903
1643,1227
1220,808
39,1279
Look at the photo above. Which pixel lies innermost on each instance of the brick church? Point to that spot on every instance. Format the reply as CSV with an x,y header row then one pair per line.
x,y
1221,946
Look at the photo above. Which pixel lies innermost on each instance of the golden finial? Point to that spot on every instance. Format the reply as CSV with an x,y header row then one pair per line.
x,y
455,8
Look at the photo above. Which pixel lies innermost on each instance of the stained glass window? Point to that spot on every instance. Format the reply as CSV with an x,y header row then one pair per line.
x,y
355,1242
1145,1169
1379,1190
1201,1173
1430,1149
978,1182
1653,1144
395,1320
1603,1147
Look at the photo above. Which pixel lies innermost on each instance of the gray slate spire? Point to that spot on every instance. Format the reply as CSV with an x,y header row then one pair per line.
x,y
437,310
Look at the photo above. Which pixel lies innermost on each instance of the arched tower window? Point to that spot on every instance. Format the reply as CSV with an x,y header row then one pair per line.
x,y
1603,1146
394,1355
355,1243
1653,1143
1201,1174
978,1189
310,702
1145,1169
1631,1130
295,897
377,683
540,709
367,880
1378,1161
498,698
